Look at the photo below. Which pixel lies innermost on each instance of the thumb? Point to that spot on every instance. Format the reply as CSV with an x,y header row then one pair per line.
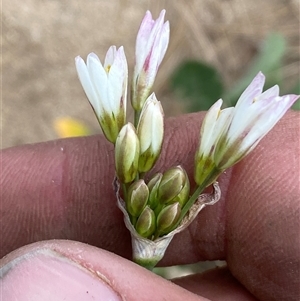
x,y
66,270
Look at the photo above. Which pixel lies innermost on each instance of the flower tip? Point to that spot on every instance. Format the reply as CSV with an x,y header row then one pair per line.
x,y
292,98
147,17
93,56
162,13
217,105
78,59
167,26
220,102
260,76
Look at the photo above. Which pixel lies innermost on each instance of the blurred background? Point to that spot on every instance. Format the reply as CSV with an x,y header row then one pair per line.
x,y
216,48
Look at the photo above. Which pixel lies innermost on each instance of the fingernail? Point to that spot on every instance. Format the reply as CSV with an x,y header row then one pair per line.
x,y
46,275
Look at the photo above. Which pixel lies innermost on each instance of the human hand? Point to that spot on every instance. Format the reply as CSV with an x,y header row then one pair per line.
x,y
62,189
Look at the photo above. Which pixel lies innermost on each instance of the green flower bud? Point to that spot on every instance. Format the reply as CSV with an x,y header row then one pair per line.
x,y
127,151
183,196
145,225
153,188
168,218
137,198
171,184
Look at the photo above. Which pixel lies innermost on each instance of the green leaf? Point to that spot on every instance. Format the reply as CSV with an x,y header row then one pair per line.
x,y
198,84
268,61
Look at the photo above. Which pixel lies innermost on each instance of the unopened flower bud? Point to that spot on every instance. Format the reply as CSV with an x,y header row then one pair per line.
x,y
171,184
153,188
150,131
137,198
183,195
127,151
168,218
145,225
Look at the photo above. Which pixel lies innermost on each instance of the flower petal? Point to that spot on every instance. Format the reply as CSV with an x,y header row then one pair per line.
x,y
87,84
98,78
253,90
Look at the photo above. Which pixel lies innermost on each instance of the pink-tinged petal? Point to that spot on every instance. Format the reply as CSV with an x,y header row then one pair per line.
x,y
158,24
246,116
155,32
164,41
274,113
145,30
151,46
87,85
142,39
242,123
157,53
262,122
252,91
269,94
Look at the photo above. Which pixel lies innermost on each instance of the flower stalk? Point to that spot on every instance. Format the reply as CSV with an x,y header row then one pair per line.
x,y
156,210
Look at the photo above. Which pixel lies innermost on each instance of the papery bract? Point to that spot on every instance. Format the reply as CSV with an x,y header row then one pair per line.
x,y
106,88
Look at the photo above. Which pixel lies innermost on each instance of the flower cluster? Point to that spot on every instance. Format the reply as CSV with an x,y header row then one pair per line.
x,y
228,135
157,209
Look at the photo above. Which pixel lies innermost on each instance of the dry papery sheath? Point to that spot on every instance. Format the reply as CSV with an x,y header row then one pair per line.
x,y
147,252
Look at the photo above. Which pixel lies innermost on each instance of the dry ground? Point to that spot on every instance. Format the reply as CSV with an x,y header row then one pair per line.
x,y
40,39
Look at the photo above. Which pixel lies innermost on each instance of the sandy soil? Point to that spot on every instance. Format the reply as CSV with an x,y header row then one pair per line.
x,y
41,38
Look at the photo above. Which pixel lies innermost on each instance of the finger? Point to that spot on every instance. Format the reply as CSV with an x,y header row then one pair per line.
x,y
63,188
216,284
65,270
256,228
79,208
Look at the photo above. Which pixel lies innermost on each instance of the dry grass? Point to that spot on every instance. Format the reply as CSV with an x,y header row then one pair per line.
x,y
41,38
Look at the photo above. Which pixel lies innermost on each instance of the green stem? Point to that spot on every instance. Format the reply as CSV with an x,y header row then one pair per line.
x,y
212,176
133,220
124,188
136,117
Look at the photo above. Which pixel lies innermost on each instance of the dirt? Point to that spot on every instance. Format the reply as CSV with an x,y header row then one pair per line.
x,y
40,40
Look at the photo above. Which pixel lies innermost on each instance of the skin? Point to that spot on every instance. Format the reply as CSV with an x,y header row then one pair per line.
x,y
62,190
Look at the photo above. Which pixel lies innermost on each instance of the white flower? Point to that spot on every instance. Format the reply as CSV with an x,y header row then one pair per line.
x,y
151,45
229,135
106,88
150,131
